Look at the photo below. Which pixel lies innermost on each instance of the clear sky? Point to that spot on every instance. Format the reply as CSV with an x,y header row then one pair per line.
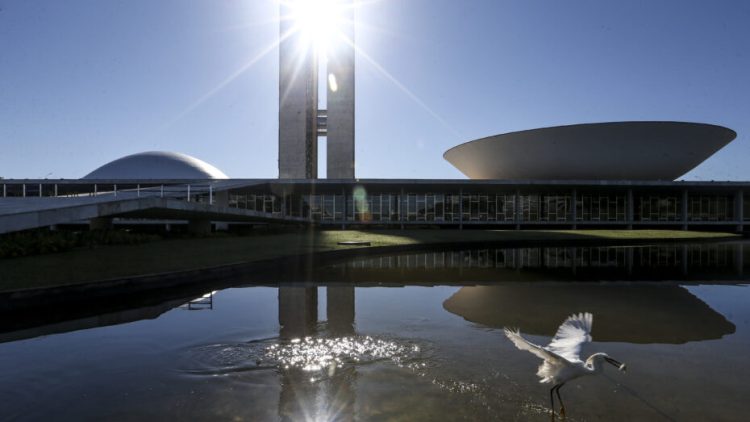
x,y
83,82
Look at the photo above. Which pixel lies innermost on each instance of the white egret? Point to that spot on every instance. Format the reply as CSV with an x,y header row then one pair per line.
x,y
562,361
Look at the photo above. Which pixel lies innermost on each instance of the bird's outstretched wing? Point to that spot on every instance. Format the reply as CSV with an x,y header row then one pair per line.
x,y
575,331
523,344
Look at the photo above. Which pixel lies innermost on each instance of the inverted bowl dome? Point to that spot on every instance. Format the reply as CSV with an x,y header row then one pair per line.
x,y
601,151
156,165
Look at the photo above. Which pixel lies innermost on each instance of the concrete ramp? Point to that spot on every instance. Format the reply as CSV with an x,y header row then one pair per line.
x,y
18,214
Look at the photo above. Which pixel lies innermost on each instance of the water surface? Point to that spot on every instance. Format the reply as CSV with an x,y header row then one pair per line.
x,y
362,342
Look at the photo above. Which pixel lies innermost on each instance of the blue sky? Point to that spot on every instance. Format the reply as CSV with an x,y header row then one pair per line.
x,y
83,82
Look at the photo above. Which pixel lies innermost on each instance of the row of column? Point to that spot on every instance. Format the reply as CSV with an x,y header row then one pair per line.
x,y
517,214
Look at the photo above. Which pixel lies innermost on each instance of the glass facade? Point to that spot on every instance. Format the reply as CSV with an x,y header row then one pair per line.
x,y
711,208
658,208
500,208
597,207
445,204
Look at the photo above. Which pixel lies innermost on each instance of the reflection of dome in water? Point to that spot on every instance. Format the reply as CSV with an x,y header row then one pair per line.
x,y
156,165
622,313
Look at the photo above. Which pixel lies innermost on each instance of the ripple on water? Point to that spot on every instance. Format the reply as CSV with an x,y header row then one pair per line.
x,y
320,356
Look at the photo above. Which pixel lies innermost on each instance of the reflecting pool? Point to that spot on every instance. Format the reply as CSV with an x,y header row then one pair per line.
x,y
413,336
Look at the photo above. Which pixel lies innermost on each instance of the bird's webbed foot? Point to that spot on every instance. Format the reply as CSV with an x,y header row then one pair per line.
x,y
562,411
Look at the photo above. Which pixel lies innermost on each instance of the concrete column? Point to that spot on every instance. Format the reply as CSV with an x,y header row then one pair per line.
x,y
343,213
461,209
283,203
400,209
298,102
340,310
199,227
100,223
684,211
739,209
340,100
574,211
298,311
629,209
517,217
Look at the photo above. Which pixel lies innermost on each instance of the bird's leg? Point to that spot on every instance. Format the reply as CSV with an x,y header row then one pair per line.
x,y
552,401
562,406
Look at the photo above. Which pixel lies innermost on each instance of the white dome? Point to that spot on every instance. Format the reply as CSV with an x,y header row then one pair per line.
x,y
610,151
156,165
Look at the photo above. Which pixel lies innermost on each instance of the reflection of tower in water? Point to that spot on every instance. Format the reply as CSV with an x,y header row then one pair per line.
x,y
302,396
298,311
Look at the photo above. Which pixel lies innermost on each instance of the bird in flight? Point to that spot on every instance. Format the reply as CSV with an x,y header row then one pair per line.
x,y
561,356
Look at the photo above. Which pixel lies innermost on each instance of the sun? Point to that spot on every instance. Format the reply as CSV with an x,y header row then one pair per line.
x,y
319,21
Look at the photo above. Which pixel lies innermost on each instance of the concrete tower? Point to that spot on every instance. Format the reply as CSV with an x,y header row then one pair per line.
x,y
340,104
298,103
301,121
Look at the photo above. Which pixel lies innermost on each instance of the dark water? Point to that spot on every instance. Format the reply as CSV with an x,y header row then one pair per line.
x,y
414,336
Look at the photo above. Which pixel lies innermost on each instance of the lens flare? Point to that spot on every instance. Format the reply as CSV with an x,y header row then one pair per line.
x,y
332,84
318,20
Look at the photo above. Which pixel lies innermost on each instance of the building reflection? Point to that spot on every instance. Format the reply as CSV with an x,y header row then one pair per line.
x,y
298,311
302,396
643,313
75,318
722,261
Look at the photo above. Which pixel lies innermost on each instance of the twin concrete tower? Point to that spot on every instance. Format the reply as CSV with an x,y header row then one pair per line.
x,y
302,121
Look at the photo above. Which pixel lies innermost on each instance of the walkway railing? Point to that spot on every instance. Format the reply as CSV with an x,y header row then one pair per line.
x,y
191,192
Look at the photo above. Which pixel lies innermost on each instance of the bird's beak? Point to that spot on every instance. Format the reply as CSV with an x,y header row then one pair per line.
x,y
619,365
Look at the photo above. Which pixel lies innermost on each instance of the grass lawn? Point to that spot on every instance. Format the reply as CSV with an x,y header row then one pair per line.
x,y
87,265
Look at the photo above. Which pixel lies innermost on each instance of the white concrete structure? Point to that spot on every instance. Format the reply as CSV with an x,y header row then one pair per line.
x,y
596,151
302,120
340,101
156,165
298,100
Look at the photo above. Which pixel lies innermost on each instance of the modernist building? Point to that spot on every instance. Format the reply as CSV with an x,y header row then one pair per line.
x,y
160,165
618,174
301,121
598,151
